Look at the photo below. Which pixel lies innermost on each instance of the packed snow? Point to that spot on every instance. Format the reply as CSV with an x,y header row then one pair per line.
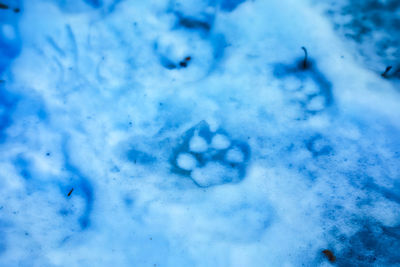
x,y
237,133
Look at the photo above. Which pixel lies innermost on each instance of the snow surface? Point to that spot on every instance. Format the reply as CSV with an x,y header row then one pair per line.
x,y
195,133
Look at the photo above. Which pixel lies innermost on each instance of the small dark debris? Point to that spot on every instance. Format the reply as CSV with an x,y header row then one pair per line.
x,y
3,6
17,10
48,154
329,255
305,61
190,23
70,192
385,74
185,62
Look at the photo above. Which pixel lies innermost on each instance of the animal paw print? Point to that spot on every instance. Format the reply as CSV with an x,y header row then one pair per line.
x,y
210,158
306,85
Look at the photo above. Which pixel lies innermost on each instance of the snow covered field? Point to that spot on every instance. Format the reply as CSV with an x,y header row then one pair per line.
x,y
226,133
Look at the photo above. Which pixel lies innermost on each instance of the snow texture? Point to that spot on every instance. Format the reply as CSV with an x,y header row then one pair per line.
x,y
238,133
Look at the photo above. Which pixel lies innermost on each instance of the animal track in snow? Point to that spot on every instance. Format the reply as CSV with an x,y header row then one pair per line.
x,y
210,158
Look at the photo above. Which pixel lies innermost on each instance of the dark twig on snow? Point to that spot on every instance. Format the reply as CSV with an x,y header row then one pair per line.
x,y
70,192
329,255
305,61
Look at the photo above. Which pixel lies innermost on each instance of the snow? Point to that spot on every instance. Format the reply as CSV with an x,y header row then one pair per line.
x,y
220,141
198,144
194,133
234,155
186,161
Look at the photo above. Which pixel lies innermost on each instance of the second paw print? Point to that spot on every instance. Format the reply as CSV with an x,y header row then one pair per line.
x,y
210,158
